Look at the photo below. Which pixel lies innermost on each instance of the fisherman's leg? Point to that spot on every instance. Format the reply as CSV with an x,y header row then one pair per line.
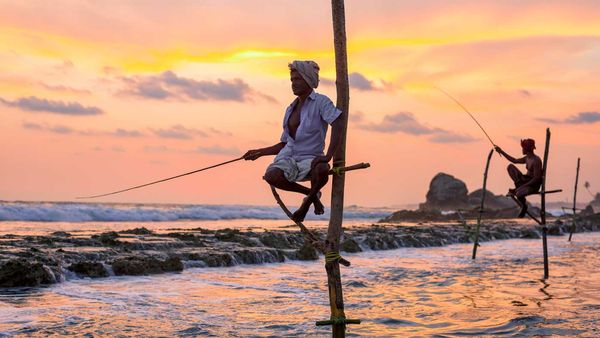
x,y
276,178
515,174
319,177
520,194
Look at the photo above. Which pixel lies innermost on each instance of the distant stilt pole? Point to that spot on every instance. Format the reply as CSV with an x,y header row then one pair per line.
x,y
485,173
574,225
543,209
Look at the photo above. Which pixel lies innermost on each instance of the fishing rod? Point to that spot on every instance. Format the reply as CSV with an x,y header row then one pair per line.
x,y
467,111
163,180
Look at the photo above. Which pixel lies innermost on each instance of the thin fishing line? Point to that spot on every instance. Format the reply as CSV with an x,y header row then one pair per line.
x,y
467,111
163,180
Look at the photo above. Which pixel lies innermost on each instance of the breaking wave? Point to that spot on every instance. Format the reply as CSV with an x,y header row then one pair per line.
x,y
99,212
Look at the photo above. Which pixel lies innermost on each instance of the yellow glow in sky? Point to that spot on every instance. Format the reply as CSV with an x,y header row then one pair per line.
x,y
181,87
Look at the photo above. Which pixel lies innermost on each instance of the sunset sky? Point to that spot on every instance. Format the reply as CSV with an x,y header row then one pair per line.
x,y
97,96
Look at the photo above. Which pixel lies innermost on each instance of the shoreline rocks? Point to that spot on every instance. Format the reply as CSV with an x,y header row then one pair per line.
x,y
42,260
137,266
23,272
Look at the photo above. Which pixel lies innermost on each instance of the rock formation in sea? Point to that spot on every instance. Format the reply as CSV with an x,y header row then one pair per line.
x,y
448,199
445,193
595,203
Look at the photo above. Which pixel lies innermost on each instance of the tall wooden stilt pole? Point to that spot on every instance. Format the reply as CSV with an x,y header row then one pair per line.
x,y
334,281
574,225
485,174
543,209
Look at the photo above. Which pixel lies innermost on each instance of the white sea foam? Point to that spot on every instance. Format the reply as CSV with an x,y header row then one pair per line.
x,y
98,212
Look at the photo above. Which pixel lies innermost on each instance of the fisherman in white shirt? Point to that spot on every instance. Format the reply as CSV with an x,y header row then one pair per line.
x,y
300,153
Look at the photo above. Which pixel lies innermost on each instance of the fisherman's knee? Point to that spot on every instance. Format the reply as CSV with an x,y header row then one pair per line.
x,y
322,168
522,193
273,176
511,168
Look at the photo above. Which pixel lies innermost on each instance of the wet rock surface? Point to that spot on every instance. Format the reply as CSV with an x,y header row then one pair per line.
x,y
22,272
89,269
38,260
307,253
135,266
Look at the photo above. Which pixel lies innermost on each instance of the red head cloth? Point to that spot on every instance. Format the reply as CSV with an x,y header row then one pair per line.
x,y
528,144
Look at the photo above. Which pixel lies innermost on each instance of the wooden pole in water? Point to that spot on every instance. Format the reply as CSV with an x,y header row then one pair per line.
x,y
332,243
485,174
574,225
543,209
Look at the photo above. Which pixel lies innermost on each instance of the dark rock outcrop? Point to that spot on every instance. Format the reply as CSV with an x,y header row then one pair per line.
x,y
21,272
445,193
492,201
233,235
89,269
108,238
137,231
218,259
350,245
61,234
145,265
188,238
275,240
447,200
421,215
307,253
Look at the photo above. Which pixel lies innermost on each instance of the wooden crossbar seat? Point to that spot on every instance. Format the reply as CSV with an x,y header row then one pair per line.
x,y
341,170
547,192
538,193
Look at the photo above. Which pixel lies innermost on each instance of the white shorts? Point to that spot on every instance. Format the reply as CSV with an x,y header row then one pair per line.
x,y
294,171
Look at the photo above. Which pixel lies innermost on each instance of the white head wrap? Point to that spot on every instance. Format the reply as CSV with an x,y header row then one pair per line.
x,y
309,71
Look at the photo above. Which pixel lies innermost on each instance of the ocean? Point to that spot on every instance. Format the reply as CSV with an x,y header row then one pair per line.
x,y
404,292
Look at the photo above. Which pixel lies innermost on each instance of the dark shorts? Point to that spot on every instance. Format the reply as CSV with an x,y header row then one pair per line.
x,y
522,179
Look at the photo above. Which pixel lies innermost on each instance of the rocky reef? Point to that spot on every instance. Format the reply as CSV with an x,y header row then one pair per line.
x,y
40,260
448,199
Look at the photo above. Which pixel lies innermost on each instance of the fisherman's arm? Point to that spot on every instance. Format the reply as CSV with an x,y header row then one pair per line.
x,y
256,153
334,142
508,157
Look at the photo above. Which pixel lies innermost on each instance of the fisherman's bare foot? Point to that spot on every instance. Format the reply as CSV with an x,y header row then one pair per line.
x,y
298,215
319,207
523,211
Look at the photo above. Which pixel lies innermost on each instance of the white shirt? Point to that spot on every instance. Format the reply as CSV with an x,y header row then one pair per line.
x,y
316,114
